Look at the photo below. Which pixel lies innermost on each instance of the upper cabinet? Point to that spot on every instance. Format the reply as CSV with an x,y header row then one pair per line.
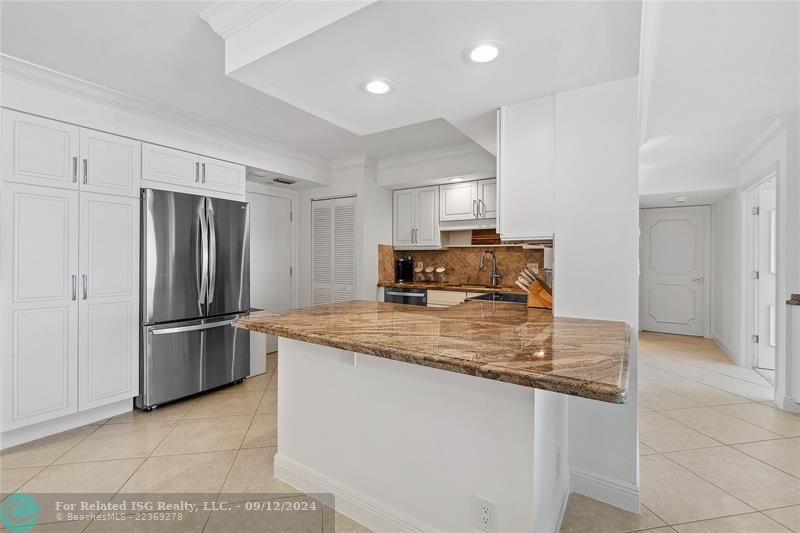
x,y
525,170
416,219
468,205
40,151
188,170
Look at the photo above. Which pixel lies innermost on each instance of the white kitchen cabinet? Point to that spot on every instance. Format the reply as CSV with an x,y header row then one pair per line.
x,y
487,196
38,303
109,265
221,175
458,201
168,165
39,151
416,219
526,170
69,301
109,163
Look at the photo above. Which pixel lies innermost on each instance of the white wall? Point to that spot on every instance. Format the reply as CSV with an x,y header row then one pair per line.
x,y
596,253
373,223
726,274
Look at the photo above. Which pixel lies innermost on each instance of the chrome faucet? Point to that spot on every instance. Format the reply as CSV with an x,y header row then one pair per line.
x,y
495,274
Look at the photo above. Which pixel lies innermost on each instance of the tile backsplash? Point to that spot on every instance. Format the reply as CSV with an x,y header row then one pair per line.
x,y
462,263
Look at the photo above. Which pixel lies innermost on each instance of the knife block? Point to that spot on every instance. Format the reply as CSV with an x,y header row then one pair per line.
x,y
539,297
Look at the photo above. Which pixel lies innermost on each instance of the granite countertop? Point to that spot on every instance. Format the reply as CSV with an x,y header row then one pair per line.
x,y
432,285
502,341
794,300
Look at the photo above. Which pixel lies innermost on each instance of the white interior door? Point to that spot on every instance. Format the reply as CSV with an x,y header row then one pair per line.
x,y
673,270
765,261
109,300
333,253
271,261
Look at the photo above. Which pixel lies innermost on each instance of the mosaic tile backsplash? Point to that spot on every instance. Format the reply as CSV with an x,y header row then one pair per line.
x,y
462,263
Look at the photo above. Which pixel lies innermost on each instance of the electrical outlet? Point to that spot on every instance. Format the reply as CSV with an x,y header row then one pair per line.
x,y
485,515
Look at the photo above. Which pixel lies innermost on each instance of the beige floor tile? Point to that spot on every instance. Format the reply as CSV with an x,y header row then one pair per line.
x,y
225,404
663,434
62,527
665,529
188,523
263,432
751,481
13,478
716,424
173,411
745,523
586,514
193,473
783,454
788,516
738,387
119,441
645,449
42,452
769,418
285,521
676,495
253,472
205,435
254,383
269,402
657,398
702,395
345,524
100,477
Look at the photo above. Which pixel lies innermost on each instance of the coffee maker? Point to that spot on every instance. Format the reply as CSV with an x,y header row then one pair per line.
x,y
404,269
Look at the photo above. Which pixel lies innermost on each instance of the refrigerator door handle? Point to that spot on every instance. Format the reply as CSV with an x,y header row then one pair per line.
x,y
212,253
182,329
203,258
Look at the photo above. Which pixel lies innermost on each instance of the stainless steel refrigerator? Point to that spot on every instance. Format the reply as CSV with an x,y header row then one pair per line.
x,y
195,279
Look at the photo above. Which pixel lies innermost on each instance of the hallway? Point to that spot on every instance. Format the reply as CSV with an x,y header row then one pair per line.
x,y
716,456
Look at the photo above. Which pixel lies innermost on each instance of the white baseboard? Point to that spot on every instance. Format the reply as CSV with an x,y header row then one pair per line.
x,y
553,522
611,491
373,514
725,348
790,404
51,427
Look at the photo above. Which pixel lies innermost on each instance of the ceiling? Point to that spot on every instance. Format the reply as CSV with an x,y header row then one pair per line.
x,y
420,47
164,53
713,74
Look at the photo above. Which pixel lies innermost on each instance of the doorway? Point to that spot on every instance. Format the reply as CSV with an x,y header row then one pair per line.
x,y
271,249
763,257
674,257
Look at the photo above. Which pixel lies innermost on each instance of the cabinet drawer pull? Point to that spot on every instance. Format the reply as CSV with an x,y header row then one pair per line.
x,y
85,171
75,169
74,287
197,172
475,208
85,291
204,172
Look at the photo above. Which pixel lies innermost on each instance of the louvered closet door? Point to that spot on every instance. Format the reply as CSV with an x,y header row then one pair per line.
x,y
333,225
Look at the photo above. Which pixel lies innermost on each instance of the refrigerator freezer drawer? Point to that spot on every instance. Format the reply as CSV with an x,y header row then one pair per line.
x,y
181,359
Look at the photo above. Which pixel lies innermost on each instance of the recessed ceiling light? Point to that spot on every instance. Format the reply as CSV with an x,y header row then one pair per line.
x,y
454,180
378,86
680,199
486,51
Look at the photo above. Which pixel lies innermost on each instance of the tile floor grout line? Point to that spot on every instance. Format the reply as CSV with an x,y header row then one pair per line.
x,y
766,463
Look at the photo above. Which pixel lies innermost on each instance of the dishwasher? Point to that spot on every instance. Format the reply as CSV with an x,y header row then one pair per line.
x,y
403,295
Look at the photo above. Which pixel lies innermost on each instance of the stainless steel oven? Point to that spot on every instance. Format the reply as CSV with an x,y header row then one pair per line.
x,y
404,295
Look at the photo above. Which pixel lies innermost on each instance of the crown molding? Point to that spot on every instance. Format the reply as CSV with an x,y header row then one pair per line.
x,y
58,81
768,132
227,18
433,156
355,162
689,168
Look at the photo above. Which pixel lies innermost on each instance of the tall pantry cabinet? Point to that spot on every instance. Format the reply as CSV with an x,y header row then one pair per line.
x,y
69,269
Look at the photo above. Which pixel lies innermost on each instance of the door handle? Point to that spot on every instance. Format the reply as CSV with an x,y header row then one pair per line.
x,y
85,171
74,169
85,289
212,251
698,279
203,258
74,287
481,209
181,329
196,172
204,173
406,294
475,208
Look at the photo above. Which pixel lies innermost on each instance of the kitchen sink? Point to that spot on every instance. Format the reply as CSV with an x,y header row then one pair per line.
x,y
502,297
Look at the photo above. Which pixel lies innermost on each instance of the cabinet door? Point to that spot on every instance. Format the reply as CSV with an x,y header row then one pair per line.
x,y
39,151
487,195
426,215
222,176
170,166
458,201
403,215
109,164
109,311
38,306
